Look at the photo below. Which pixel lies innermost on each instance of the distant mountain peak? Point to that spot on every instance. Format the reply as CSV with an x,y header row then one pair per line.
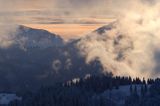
x,y
26,29
105,28
31,37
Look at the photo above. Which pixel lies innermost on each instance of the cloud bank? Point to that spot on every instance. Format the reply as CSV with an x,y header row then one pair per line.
x,y
130,46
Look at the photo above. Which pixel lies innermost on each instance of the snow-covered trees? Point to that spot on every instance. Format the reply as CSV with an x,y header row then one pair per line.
x,y
87,92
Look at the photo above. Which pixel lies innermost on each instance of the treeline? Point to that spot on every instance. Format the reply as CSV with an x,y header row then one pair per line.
x,y
84,92
101,83
148,96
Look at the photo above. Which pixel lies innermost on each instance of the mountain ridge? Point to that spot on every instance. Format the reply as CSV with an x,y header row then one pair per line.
x,y
29,65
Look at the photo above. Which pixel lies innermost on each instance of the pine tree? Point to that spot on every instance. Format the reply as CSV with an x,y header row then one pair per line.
x,y
145,89
110,90
131,89
142,90
117,84
130,80
135,90
144,81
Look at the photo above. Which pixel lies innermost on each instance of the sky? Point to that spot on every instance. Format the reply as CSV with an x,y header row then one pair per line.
x,y
68,18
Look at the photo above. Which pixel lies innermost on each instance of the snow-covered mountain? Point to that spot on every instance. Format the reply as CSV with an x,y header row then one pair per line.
x,y
105,28
36,38
38,57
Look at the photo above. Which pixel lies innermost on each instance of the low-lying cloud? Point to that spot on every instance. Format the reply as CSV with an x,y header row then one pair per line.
x,y
130,47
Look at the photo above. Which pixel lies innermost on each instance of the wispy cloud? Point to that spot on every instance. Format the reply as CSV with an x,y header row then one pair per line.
x,y
13,10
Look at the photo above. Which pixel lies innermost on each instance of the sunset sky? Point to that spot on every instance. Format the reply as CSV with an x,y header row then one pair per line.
x,y
68,18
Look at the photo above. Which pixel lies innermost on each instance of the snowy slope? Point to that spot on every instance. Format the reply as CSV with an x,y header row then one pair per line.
x,y
119,95
38,57
6,98
26,37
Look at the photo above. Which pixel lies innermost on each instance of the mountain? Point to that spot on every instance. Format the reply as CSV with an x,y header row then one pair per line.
x,y
38,57
105,28
37,38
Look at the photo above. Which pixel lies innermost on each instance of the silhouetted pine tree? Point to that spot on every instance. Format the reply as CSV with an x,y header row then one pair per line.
x,y
131,89
142,91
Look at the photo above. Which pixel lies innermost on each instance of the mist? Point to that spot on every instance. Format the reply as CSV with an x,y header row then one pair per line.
x,y
130,47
